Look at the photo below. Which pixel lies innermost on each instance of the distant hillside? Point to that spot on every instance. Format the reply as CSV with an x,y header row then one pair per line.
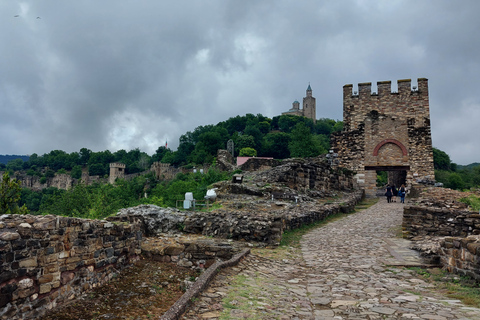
x,y
468,166
5,158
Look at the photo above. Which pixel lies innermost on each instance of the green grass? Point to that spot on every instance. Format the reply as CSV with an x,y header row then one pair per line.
x,y
473,201
462,288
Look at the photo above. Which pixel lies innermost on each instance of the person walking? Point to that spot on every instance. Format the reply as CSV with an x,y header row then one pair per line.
x,y
402,192
394,193
388,193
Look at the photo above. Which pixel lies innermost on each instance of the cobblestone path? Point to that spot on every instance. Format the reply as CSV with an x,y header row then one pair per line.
x,y
347,269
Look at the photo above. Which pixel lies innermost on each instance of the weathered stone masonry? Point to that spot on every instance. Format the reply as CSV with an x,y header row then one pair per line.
x,y
387,131
460,249
47,260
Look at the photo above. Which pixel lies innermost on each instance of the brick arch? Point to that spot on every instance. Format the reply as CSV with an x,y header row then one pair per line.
x,y
398,143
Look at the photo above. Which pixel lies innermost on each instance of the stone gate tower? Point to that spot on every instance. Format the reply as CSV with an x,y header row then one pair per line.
x,y
386,131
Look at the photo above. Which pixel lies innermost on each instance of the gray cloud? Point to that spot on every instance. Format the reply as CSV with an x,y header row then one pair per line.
x,y
119,75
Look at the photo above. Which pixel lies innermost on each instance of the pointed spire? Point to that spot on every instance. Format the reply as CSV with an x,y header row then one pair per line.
x,y
309,88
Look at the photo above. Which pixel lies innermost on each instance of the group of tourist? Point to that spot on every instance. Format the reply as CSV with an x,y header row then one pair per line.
x,y
392,193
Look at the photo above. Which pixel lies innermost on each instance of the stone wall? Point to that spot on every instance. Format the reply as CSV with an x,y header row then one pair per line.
x,y
386,131
436,221
307,175
48,260
186,251
265,226
257,164
458,231
225,161
461,255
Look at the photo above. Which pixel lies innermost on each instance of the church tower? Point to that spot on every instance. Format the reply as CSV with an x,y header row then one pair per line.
x,y
309,105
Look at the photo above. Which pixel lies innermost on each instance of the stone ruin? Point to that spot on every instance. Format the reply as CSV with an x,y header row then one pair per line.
x,y
386,131
46,261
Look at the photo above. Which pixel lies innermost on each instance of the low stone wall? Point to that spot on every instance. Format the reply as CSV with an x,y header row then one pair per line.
x,y
461,255
266,227
257,164
459,233
186,251
48,260
422,221
299,217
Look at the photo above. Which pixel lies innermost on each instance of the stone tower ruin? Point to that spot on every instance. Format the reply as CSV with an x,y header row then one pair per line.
x,y
386,131
117,170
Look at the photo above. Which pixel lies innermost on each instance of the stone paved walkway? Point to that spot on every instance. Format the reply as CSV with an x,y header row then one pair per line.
x,y
347,269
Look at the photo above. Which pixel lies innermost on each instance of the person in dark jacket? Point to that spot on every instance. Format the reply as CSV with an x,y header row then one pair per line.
x,y
388,193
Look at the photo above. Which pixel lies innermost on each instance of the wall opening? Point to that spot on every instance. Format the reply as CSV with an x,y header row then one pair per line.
x,y
377,177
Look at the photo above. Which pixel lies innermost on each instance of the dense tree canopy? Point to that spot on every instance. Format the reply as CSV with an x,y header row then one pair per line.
x,y
10,193
277,137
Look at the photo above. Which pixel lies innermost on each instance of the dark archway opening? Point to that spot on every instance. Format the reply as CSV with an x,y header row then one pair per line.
x,y
393,175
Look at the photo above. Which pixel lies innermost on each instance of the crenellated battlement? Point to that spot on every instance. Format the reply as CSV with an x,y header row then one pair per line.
x,y
407,102
384,88
117,165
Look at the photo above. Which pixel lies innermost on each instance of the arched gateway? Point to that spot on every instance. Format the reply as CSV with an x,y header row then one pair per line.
x,y
386,131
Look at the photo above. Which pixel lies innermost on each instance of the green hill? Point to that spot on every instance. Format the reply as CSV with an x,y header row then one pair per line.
x,y
5,158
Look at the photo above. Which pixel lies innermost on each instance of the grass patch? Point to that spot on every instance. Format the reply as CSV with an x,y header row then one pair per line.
x,y
473,201
453,286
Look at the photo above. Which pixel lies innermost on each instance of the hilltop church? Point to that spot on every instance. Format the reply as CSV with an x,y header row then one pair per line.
x,y
308,109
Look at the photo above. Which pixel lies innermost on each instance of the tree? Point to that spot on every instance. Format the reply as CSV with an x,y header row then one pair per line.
x,y
15,165
276,145
455,181
302,144
324,126
97,169
244,141
160,153
10,193
85,156
441,160
248,152
76,172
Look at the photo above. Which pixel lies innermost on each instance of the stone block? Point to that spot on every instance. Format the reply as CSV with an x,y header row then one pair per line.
x,y
25,283
66,277
9,235
51,268
173,250
45,278
28,263
20,294
45,288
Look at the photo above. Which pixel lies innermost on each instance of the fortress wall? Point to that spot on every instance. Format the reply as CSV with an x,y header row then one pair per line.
x,y
461,255
46,261
460,249
432,221
266,227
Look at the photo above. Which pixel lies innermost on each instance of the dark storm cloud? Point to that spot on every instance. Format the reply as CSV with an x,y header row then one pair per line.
x,y
113,75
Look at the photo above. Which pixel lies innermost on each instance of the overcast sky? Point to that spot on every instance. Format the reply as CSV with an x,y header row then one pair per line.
x,y
125,74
